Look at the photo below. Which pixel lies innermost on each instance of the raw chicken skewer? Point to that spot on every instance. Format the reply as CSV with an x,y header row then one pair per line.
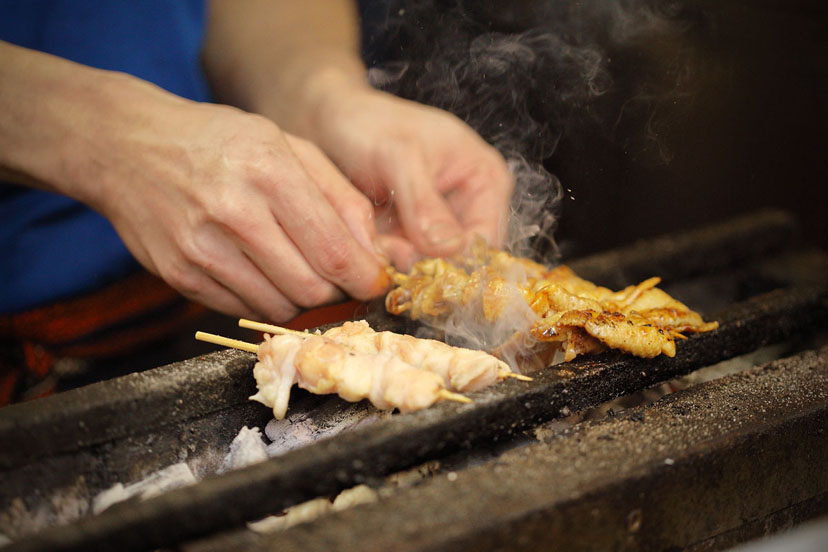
x,y
463,370
323,366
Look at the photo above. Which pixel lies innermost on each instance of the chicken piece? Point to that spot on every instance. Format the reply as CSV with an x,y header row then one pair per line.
x,y
460,369
322,366
634,335
275,373
581,316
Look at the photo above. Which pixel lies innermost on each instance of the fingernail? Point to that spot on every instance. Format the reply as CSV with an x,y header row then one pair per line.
x,y
443,234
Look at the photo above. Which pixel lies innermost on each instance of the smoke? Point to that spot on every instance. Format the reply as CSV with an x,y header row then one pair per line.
x,y
526,75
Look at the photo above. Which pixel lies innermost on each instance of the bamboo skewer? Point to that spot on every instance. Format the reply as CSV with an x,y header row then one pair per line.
x,y
227,342
278,330
444,394
269,328
447,395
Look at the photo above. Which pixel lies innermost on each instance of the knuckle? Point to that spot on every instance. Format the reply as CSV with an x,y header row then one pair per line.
x,y
182,277
229,211
361,208
335,257
315,293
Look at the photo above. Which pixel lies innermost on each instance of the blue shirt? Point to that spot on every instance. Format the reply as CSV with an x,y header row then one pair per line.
x,y
52,247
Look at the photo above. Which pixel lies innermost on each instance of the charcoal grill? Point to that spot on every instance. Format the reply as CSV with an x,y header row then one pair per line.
x,y
701,469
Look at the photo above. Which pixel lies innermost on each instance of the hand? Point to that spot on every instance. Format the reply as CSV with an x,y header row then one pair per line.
x,y
434,181
227,208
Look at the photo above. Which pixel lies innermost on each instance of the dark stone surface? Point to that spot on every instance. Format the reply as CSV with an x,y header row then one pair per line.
x,y
706,462
497,412
120,430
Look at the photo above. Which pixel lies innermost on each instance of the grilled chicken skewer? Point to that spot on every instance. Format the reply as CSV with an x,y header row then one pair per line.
x,y
322,366
572,313
463,370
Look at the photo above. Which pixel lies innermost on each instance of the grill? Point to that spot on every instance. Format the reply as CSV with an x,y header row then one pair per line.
x,y
703,468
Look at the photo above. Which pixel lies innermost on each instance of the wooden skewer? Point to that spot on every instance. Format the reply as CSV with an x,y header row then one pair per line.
x,y
508,374
227,342
270,328
278,330
447,395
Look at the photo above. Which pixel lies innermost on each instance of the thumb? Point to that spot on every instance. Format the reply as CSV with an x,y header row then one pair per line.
x,y
425,216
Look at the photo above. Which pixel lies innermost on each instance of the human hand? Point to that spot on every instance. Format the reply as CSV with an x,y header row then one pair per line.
x,y
228,209
434,181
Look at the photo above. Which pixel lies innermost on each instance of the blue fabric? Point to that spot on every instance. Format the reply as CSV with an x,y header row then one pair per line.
x,y
52,247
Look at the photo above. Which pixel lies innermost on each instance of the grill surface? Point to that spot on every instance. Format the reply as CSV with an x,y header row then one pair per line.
x,y
123,429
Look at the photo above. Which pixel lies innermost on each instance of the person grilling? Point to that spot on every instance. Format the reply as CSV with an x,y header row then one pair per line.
x,y
160,158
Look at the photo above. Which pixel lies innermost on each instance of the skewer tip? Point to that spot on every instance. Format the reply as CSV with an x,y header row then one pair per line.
x,y
447,395
517,376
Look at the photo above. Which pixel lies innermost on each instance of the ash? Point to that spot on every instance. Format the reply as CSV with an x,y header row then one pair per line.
x,y
249,447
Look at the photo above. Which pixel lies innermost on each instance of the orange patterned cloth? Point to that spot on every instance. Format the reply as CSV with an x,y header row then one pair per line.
x,y
112,322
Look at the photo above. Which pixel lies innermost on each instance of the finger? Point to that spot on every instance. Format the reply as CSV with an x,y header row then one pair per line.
x,y
273,252
197,286
398,250
323,238
424,214
220,257
482,200
246,235
351,204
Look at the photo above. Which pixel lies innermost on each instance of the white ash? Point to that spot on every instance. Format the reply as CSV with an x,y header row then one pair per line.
x,y
247,448
301,428
314,509
171,477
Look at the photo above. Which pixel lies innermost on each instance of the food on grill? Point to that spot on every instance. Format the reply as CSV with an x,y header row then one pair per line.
x,y
356,362
323,366
463,370
567,312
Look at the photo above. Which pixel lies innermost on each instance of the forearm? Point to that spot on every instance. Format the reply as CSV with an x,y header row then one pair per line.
x,y
57,117
283,58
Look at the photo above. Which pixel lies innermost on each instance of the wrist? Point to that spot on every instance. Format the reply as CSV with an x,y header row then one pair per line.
x,y
311,88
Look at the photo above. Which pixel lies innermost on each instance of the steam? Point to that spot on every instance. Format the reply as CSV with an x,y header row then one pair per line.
x,y
523,75
486,81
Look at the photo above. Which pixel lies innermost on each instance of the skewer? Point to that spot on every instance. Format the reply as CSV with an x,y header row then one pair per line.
x,y
447,395
227,342
270,328
278,330
508,374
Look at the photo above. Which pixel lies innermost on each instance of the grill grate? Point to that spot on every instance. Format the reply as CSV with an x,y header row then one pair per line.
x,y
111,422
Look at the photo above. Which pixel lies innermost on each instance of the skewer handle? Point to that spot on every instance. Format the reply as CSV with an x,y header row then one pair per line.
x,y
269,328
515,375
227,342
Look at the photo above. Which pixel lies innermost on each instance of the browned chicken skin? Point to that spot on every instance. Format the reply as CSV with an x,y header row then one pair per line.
x,y
573,314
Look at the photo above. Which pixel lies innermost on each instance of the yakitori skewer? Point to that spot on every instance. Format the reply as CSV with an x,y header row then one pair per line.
x,y
461,369
322,366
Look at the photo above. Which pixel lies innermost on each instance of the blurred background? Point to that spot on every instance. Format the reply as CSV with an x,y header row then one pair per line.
x,y
653,116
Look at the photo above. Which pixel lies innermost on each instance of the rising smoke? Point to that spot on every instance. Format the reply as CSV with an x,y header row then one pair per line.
x,y
524,73
527,74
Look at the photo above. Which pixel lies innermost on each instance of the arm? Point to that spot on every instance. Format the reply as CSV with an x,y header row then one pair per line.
x,y
218,202
298,63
